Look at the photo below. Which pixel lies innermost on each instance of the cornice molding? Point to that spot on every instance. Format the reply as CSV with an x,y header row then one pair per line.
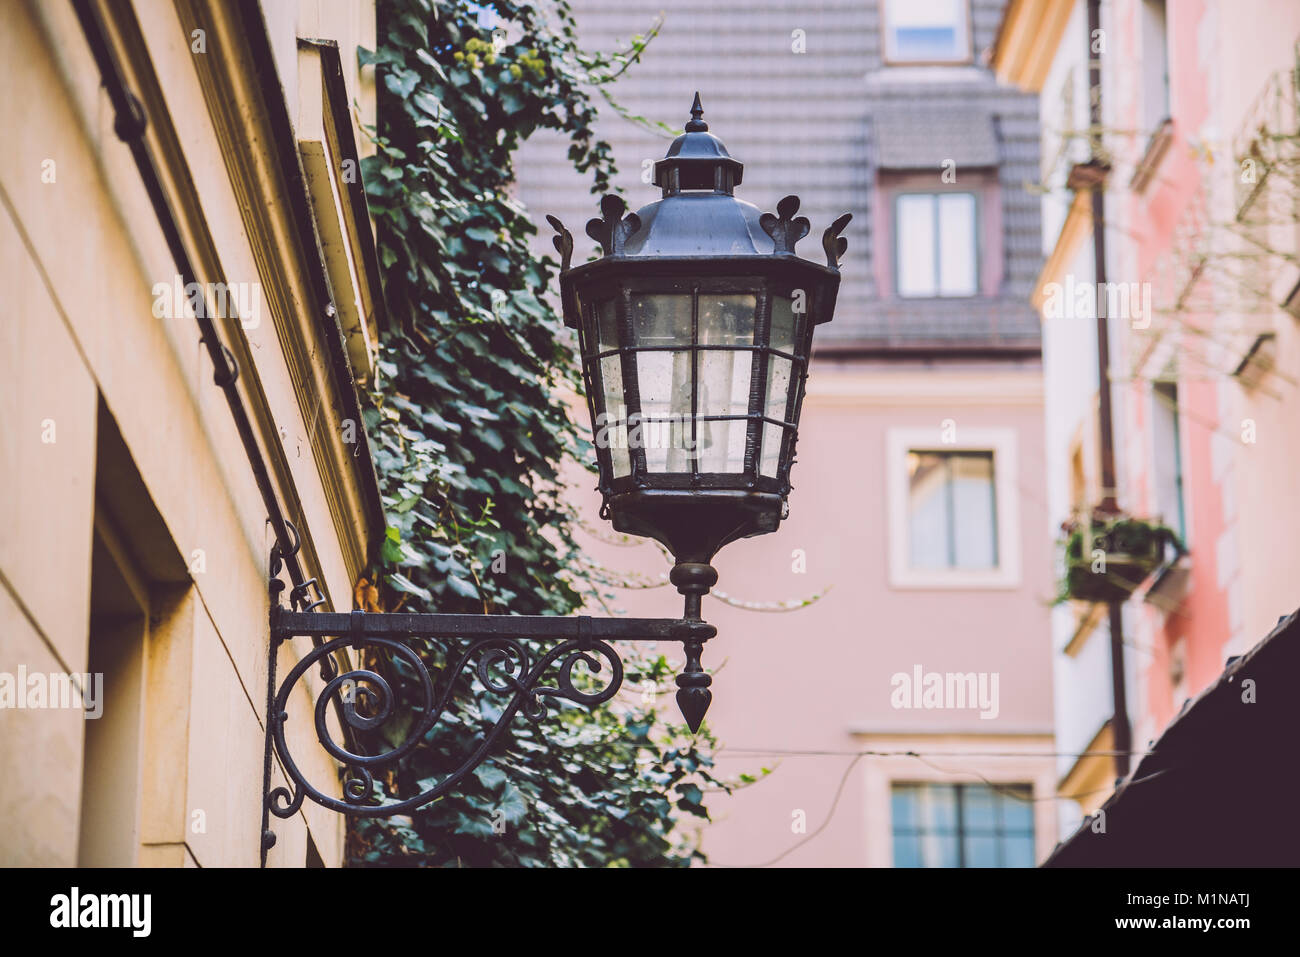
x,y
925,387
1027,41
295,284
133,55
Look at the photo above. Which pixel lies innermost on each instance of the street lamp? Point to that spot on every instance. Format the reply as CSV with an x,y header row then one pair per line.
x,y
695,328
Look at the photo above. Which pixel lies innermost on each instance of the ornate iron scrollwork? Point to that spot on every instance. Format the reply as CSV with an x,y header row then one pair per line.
x,y
784,228
612,229
833,243
563,242
366,701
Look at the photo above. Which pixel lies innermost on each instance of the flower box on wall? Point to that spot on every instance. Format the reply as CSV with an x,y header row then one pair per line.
x,y
1107,558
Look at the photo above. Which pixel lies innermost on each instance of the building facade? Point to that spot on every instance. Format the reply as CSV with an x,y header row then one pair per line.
x,y
885,654
134,542
1198,129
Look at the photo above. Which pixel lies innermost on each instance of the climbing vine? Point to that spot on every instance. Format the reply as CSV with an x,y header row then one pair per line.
x,y
471,437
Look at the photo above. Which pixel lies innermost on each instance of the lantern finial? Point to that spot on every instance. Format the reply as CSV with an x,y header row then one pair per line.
x,y
697,125
697,160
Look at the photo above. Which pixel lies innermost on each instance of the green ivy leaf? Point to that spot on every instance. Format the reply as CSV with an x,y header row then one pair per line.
x,y
490,776
513,804
460,586
404,584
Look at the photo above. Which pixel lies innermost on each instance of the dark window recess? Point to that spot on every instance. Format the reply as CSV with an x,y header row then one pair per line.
x,y
952,510
963,825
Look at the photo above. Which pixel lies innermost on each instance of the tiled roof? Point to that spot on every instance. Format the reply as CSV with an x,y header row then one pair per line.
x,y
813,124
925,135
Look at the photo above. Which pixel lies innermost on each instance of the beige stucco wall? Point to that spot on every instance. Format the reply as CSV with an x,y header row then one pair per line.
x,y
79,257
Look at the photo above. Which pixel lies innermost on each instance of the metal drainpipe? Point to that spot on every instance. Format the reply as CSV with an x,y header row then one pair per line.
x,y
130,125
1120,729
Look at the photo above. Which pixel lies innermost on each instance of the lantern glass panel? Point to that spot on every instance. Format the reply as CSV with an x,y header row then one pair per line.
x,y
780,373
614,423
607,324
783,323
778,392
778,387
611,418
726,322
664,377
771,460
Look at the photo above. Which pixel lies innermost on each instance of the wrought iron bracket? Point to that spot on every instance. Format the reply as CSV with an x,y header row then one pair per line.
x,y
495,648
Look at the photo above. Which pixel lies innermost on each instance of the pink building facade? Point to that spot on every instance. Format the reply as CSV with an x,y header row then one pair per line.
x,y
1199,130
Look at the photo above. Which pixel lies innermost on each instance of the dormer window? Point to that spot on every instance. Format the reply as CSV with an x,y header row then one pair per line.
x,y
926,31
935,245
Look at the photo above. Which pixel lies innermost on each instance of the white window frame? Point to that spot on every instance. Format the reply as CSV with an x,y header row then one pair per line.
x,y
1157,92
936,198
962,26
1156,415
1002,442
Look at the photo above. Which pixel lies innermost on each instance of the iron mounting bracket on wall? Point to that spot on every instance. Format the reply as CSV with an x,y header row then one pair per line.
x,y
494,646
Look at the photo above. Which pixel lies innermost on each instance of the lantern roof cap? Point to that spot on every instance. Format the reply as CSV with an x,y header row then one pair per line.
x,y
698,160
698,224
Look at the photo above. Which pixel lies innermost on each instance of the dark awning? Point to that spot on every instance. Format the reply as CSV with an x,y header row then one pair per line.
x,y
1220,787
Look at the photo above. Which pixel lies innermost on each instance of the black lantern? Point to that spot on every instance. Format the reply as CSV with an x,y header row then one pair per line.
x,y
695,329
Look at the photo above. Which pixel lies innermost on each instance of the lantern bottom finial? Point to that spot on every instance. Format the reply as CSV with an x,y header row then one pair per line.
x,y
693,580
693,697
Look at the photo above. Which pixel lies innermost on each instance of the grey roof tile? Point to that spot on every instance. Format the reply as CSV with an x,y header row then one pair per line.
x,y
924,136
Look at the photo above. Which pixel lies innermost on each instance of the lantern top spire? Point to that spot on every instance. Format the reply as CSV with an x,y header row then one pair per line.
x,y
697,160
696,124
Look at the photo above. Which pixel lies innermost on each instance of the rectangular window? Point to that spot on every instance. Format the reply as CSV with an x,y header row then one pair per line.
x,y
952,510
926,31
963,825
935,245
1155,65
952,507
1168,459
